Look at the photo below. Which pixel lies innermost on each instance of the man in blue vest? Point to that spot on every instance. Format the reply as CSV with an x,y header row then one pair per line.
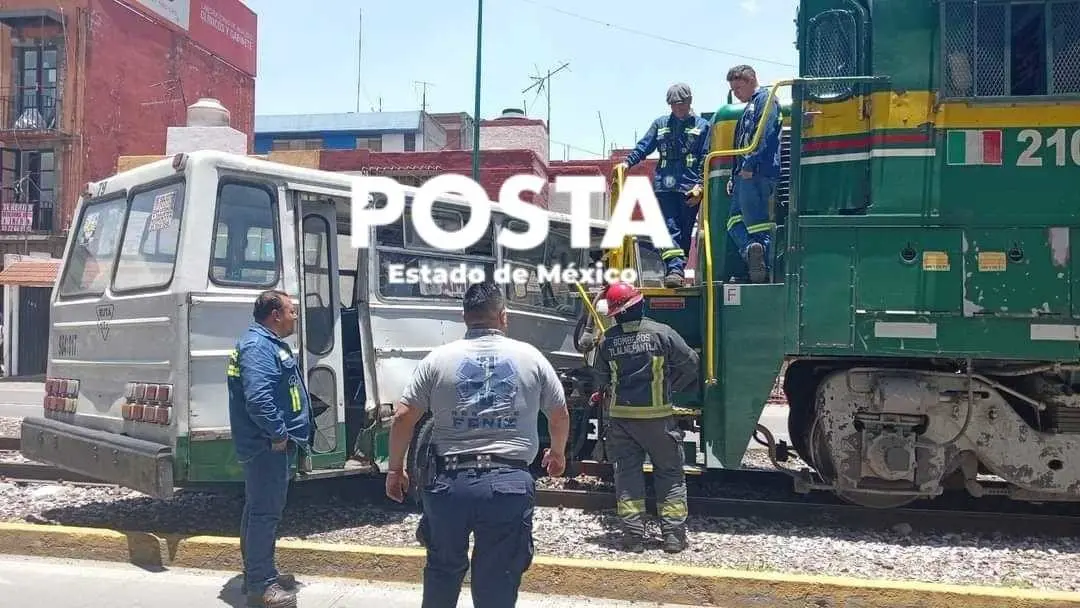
x,y
682,139
269,414
752,186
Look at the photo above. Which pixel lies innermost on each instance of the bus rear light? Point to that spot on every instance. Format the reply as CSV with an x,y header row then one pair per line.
x,y
61,395
147,402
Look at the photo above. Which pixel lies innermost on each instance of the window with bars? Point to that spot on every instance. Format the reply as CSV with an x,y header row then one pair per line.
x,y
1010,48
832,52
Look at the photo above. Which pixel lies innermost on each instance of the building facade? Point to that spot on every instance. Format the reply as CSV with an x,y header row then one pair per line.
x,y
83,82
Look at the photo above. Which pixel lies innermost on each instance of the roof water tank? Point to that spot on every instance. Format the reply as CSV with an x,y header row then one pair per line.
x,y
513,113
207,112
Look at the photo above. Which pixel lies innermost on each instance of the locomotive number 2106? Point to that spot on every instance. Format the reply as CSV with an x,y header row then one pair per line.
x,y
1065,145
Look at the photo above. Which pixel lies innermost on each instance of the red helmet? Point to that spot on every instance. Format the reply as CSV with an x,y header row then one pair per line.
x,y
620,296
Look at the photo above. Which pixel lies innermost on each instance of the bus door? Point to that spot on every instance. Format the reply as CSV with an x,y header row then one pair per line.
x,y
315,214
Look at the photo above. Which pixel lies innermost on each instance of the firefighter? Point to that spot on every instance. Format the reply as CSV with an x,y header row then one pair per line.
x,y
682,138
643,362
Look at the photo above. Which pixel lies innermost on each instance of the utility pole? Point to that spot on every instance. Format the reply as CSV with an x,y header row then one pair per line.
x,y
476,118
359,51
423,97
543,83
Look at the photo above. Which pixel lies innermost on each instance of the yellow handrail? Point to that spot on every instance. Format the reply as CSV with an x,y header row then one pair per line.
x,y
710,304
592,309
626,253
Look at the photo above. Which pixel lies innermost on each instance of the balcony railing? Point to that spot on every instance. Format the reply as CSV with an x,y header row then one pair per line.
x,y
29,112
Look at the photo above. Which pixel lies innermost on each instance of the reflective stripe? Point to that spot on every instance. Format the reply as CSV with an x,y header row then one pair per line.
x,y
673,509
689,159
232,368
294,395
693,130
630,507
672,253
614,365
631,325
755,228
731,221
657,381
640,412
663,130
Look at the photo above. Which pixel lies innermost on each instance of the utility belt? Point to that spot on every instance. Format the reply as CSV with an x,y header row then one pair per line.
x,y
481,462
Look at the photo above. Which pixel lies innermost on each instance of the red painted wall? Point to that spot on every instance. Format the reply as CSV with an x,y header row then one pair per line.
x,y
144,75
496,166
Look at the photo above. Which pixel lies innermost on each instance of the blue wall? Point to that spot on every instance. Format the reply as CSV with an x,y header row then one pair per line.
x,y
331,140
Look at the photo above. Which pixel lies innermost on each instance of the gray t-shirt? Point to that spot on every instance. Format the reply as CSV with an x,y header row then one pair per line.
x,y
485,393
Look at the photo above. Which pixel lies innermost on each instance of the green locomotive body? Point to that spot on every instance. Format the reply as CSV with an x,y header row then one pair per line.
x,y
924,298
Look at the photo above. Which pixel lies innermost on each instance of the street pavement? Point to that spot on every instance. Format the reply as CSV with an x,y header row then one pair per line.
x,y
21,399
56,583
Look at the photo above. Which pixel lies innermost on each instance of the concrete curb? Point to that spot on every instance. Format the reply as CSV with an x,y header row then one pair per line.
x,y
599,579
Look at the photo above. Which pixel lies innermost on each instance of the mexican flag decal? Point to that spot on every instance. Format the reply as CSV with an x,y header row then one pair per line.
x,y
973,147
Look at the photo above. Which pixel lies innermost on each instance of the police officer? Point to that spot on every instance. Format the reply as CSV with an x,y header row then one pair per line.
x,y
645,361
269,415
485,393
753,176
682,138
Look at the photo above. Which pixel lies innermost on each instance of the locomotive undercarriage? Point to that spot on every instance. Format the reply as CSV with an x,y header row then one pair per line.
x,y
884,437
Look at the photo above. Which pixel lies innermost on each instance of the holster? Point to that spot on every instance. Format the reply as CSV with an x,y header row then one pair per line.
x,y
428,460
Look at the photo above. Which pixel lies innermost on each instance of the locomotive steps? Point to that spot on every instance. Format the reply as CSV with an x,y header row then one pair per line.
x,y
591,578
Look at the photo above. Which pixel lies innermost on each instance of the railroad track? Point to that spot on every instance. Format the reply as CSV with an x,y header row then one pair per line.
x,y
947,514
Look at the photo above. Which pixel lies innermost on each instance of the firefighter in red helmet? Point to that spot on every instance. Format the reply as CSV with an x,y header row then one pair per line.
x,y
643,362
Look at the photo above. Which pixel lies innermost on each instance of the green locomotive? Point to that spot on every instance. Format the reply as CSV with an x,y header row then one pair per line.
x,y
923,298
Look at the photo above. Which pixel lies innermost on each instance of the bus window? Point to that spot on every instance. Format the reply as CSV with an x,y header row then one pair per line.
x,y
151,237
652,267
347,269
555,255
319,317
245,251
401,252
91,258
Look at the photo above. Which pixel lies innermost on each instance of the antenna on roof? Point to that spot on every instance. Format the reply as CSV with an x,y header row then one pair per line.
x,y
423,98
540,82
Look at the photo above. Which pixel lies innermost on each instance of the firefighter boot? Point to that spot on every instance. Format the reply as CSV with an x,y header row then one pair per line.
x,y
755,260
675,540
274,597
633,542
674,279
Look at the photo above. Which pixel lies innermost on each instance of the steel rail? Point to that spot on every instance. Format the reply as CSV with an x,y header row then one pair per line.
x,y
947,514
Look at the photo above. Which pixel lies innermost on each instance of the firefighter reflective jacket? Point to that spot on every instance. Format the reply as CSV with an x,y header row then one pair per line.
x,y
683,145
644,361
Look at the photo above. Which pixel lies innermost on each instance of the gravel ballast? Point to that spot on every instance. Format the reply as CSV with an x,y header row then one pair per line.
x,y
10,427
899,554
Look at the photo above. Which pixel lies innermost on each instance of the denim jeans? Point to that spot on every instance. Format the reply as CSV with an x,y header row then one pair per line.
x,y
266,485
496,506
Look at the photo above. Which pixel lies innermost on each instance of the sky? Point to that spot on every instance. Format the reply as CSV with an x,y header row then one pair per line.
x,y
622,56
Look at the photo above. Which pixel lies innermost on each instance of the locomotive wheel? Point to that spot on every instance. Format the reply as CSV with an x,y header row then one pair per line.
x,y
822,462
